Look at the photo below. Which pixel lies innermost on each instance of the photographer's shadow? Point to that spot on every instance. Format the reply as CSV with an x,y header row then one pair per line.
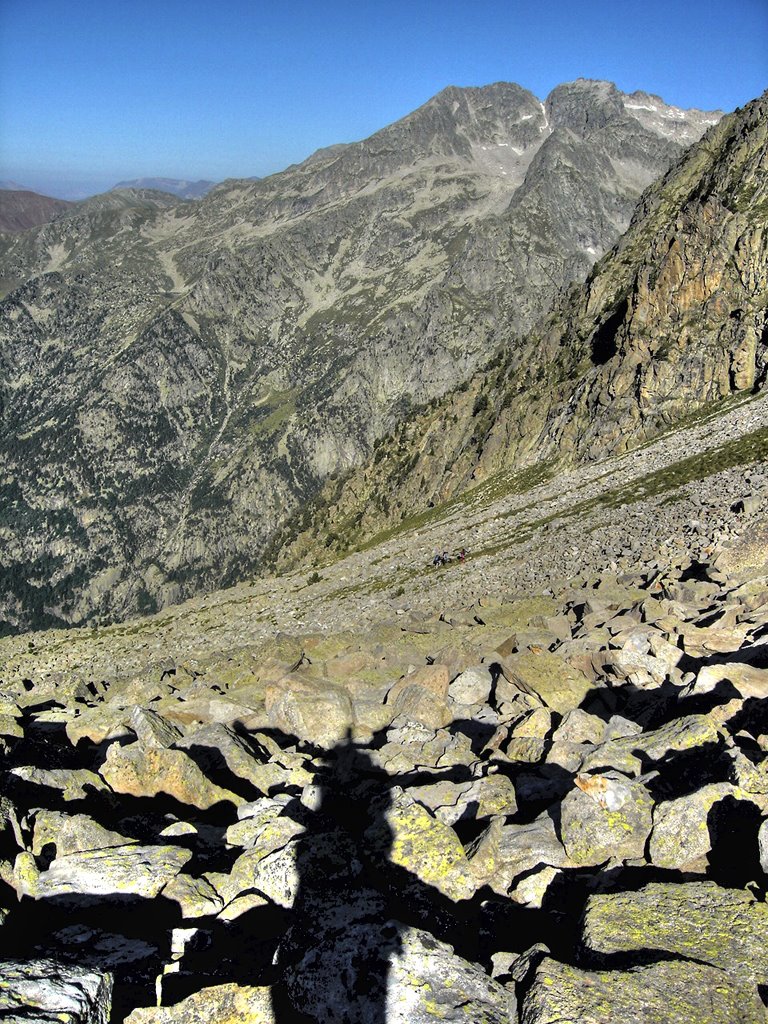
x,y
352,903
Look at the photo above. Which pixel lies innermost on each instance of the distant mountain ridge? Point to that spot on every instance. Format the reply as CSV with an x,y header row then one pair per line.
x,y
234,353
21,210
176,186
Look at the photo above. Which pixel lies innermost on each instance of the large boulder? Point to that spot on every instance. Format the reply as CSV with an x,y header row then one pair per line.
x,y
682,829
634,754
72,783
72,833
405,834
664,993
379,970
314,710
218,747
605,817
696,920
503,853
123,870
547,677
137,770
47,992
244,1004
474,799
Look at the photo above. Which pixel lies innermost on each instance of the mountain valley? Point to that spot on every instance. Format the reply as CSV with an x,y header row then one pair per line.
x,y
523,783
179,379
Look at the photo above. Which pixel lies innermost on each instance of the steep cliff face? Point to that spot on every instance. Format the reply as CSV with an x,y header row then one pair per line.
x,y
178,378
672,319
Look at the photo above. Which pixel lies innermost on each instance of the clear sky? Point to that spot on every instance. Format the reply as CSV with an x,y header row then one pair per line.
x,y
93,91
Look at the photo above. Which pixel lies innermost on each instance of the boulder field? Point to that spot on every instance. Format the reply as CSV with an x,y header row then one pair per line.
x,y
540,809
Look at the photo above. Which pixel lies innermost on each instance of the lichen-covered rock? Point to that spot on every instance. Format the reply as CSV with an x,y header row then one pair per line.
x,y
150,771
749,680
377,971
269,866
578,726
217,746
605,817
124,870
681,829
46,992
476,799
661,993
407,835
314,710
505,852
532,889
547,677
73,833
72,783
99,723
633,754
696,920
420,705
472,686
218,1004
152,730
196,897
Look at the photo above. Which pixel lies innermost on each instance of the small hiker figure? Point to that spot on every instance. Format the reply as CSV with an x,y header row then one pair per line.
x,y
463,555
437,560
445,558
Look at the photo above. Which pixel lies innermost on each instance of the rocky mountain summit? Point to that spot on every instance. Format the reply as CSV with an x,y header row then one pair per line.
x,y
178,378
525,788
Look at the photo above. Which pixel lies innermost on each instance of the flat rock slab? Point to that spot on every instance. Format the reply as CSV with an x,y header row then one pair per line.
x,y
548,677
223,1004
635,754
699,920
47,992
669,992
123,870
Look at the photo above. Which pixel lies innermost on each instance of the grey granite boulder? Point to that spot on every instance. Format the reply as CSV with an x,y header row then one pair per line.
x,y
605,817
670,992
377,971
46,992
697,920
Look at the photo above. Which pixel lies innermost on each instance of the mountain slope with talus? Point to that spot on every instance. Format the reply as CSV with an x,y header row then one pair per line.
x,y
178,378
671,320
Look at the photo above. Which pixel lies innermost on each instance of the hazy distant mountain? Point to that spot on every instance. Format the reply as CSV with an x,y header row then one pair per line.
x,y
176,380
13,186
22,209
176,186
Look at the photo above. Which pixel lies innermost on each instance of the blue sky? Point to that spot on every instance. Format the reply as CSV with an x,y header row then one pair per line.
x,y
92,91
